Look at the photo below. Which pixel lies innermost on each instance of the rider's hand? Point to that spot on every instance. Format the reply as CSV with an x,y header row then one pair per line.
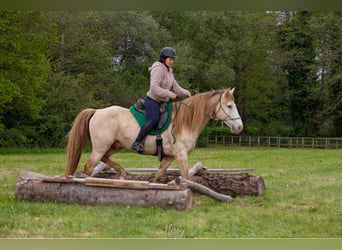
x,y
173,95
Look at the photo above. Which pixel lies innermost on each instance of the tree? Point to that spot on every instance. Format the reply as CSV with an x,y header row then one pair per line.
x,y
297,42
327,30
334,72
25,43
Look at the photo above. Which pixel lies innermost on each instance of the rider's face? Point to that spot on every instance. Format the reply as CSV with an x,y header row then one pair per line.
x,y
169,62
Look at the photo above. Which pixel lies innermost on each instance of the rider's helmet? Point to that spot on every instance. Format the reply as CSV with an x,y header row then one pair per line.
x,y
168,52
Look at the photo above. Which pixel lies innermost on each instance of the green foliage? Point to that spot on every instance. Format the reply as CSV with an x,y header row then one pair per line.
x,y
286,66
328,33
25,41
66,96
298,44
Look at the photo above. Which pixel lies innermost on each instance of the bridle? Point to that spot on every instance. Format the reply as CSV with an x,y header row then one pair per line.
x,y
227,118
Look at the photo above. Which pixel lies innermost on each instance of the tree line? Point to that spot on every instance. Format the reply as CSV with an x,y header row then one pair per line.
x,y
286,67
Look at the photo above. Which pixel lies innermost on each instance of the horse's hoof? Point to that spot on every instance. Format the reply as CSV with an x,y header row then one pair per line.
x,y
156,180
122,176
81,175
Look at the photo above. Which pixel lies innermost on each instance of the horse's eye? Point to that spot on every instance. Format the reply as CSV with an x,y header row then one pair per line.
x,y
230,106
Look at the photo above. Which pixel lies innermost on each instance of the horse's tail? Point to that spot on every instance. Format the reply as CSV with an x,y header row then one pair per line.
x,y
77,138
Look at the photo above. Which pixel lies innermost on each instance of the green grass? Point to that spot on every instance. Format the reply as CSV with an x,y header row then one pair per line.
x,y
303,199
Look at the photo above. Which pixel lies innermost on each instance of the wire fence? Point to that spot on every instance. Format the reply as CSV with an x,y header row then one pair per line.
x,y
276,141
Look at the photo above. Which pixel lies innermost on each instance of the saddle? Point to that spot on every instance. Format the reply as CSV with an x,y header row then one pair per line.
x,y
138,111
140,106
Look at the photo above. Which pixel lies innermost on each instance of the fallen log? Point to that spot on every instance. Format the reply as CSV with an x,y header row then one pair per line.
x,y
35,187
204,190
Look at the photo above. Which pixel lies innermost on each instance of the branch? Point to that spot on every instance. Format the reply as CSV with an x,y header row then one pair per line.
x,y
204,190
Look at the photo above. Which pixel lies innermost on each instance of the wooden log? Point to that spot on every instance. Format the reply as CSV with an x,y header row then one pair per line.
x,y
204,190
232,184
192,171
176,171
116,183
130,184
195,169
32,187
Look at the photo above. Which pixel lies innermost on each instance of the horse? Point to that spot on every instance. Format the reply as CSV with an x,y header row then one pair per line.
x,y
113,128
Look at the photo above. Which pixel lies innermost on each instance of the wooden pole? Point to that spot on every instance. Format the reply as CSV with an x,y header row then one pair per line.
x,y
198,167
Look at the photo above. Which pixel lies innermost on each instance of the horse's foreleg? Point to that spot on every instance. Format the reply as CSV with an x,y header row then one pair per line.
x,y
120,171
182,161
164,164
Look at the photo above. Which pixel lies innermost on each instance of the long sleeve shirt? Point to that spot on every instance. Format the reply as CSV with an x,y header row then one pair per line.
x,y
162,83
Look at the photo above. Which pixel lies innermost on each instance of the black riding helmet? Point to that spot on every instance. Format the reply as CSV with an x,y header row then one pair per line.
x,y
168,52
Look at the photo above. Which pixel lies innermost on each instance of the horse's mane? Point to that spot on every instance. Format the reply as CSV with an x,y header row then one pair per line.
x,y
192,114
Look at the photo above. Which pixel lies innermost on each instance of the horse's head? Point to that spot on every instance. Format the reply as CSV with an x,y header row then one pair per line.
x,y
227,111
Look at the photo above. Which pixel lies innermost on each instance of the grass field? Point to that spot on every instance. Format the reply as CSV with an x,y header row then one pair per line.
x,y
303,199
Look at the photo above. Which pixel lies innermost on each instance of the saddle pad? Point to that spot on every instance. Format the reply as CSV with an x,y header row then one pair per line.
x,y
141,119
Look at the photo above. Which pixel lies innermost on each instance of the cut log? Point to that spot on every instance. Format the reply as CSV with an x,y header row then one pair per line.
x,y
35,187
232,184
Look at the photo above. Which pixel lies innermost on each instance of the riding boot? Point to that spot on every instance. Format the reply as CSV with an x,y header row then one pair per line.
x,y
138,145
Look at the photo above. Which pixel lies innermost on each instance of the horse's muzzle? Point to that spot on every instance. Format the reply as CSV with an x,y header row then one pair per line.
x,y
236,127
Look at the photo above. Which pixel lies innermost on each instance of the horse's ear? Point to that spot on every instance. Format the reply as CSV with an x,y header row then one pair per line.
x,y
230,91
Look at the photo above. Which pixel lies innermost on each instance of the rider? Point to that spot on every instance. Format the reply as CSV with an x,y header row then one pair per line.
x,y
163,87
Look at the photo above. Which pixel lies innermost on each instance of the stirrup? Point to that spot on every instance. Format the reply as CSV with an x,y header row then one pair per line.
x,y
139,147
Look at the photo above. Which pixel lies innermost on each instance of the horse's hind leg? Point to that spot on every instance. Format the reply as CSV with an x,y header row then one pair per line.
x,y
164,164
120,171
91,162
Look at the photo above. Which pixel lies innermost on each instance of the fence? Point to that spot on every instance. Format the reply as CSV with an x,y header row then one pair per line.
x,y
276,141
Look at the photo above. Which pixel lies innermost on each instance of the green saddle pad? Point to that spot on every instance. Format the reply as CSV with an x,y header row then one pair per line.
x,y
141,119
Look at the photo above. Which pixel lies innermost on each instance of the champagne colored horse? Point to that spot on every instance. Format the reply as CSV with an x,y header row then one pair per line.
x,y
113,128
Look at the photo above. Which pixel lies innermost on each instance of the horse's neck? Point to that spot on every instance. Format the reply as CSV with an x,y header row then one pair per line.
x,y
203,124
198,127
195,121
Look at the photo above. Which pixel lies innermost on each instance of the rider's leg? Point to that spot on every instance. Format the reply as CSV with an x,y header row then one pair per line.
x,y
152,112
138,145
